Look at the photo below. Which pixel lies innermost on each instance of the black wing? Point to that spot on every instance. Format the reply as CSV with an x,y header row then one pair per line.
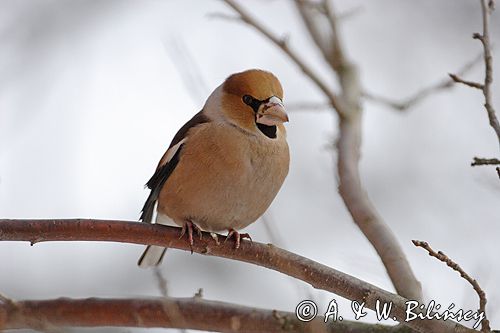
x,y
163,172
156,184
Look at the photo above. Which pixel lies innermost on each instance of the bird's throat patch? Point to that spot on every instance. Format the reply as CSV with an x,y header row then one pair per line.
x,y
269,131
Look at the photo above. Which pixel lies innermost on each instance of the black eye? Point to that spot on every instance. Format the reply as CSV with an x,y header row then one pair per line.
x,y
248,100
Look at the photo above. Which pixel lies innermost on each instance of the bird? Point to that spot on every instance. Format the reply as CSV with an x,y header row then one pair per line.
x,y
225,166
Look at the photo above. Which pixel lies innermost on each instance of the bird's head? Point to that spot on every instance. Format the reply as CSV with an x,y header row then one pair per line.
x,y
253,101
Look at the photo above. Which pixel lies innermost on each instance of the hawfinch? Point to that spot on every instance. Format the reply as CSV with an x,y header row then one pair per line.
x,y
224,167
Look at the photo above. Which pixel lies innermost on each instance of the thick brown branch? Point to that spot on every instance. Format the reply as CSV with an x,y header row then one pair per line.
x,y
269,256
485,324
197,314
283,45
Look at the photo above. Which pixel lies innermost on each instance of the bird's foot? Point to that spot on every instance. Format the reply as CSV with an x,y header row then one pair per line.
x,y
190,227
237,237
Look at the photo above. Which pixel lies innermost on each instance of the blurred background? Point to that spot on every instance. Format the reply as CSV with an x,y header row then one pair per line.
x,y
92,92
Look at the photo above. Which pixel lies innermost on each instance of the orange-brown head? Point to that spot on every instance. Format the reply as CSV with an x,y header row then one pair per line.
x,y
253,100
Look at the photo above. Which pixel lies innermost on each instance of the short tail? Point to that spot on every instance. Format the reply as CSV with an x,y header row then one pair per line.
x,y
152,256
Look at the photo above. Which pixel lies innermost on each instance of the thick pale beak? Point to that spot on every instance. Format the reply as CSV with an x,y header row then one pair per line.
x,y
272,113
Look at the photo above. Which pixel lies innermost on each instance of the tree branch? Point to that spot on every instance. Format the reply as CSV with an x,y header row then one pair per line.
x,y
322,37
485,161
351,190
403,104
485,324
471,84
422,94
366,216
308,106
486,7
269,256
153,312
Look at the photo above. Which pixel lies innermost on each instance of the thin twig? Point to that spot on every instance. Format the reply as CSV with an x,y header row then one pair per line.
x,y
162,281
263,255
170,308
337,56
198,294
420,95
324,39
4,298
188,69
7,300
485,324
320,7
224,16
485,161
350,13
486,8
307,106
471,84
312,4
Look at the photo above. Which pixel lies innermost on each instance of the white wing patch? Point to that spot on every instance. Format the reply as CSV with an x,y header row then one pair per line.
x,y
171,152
